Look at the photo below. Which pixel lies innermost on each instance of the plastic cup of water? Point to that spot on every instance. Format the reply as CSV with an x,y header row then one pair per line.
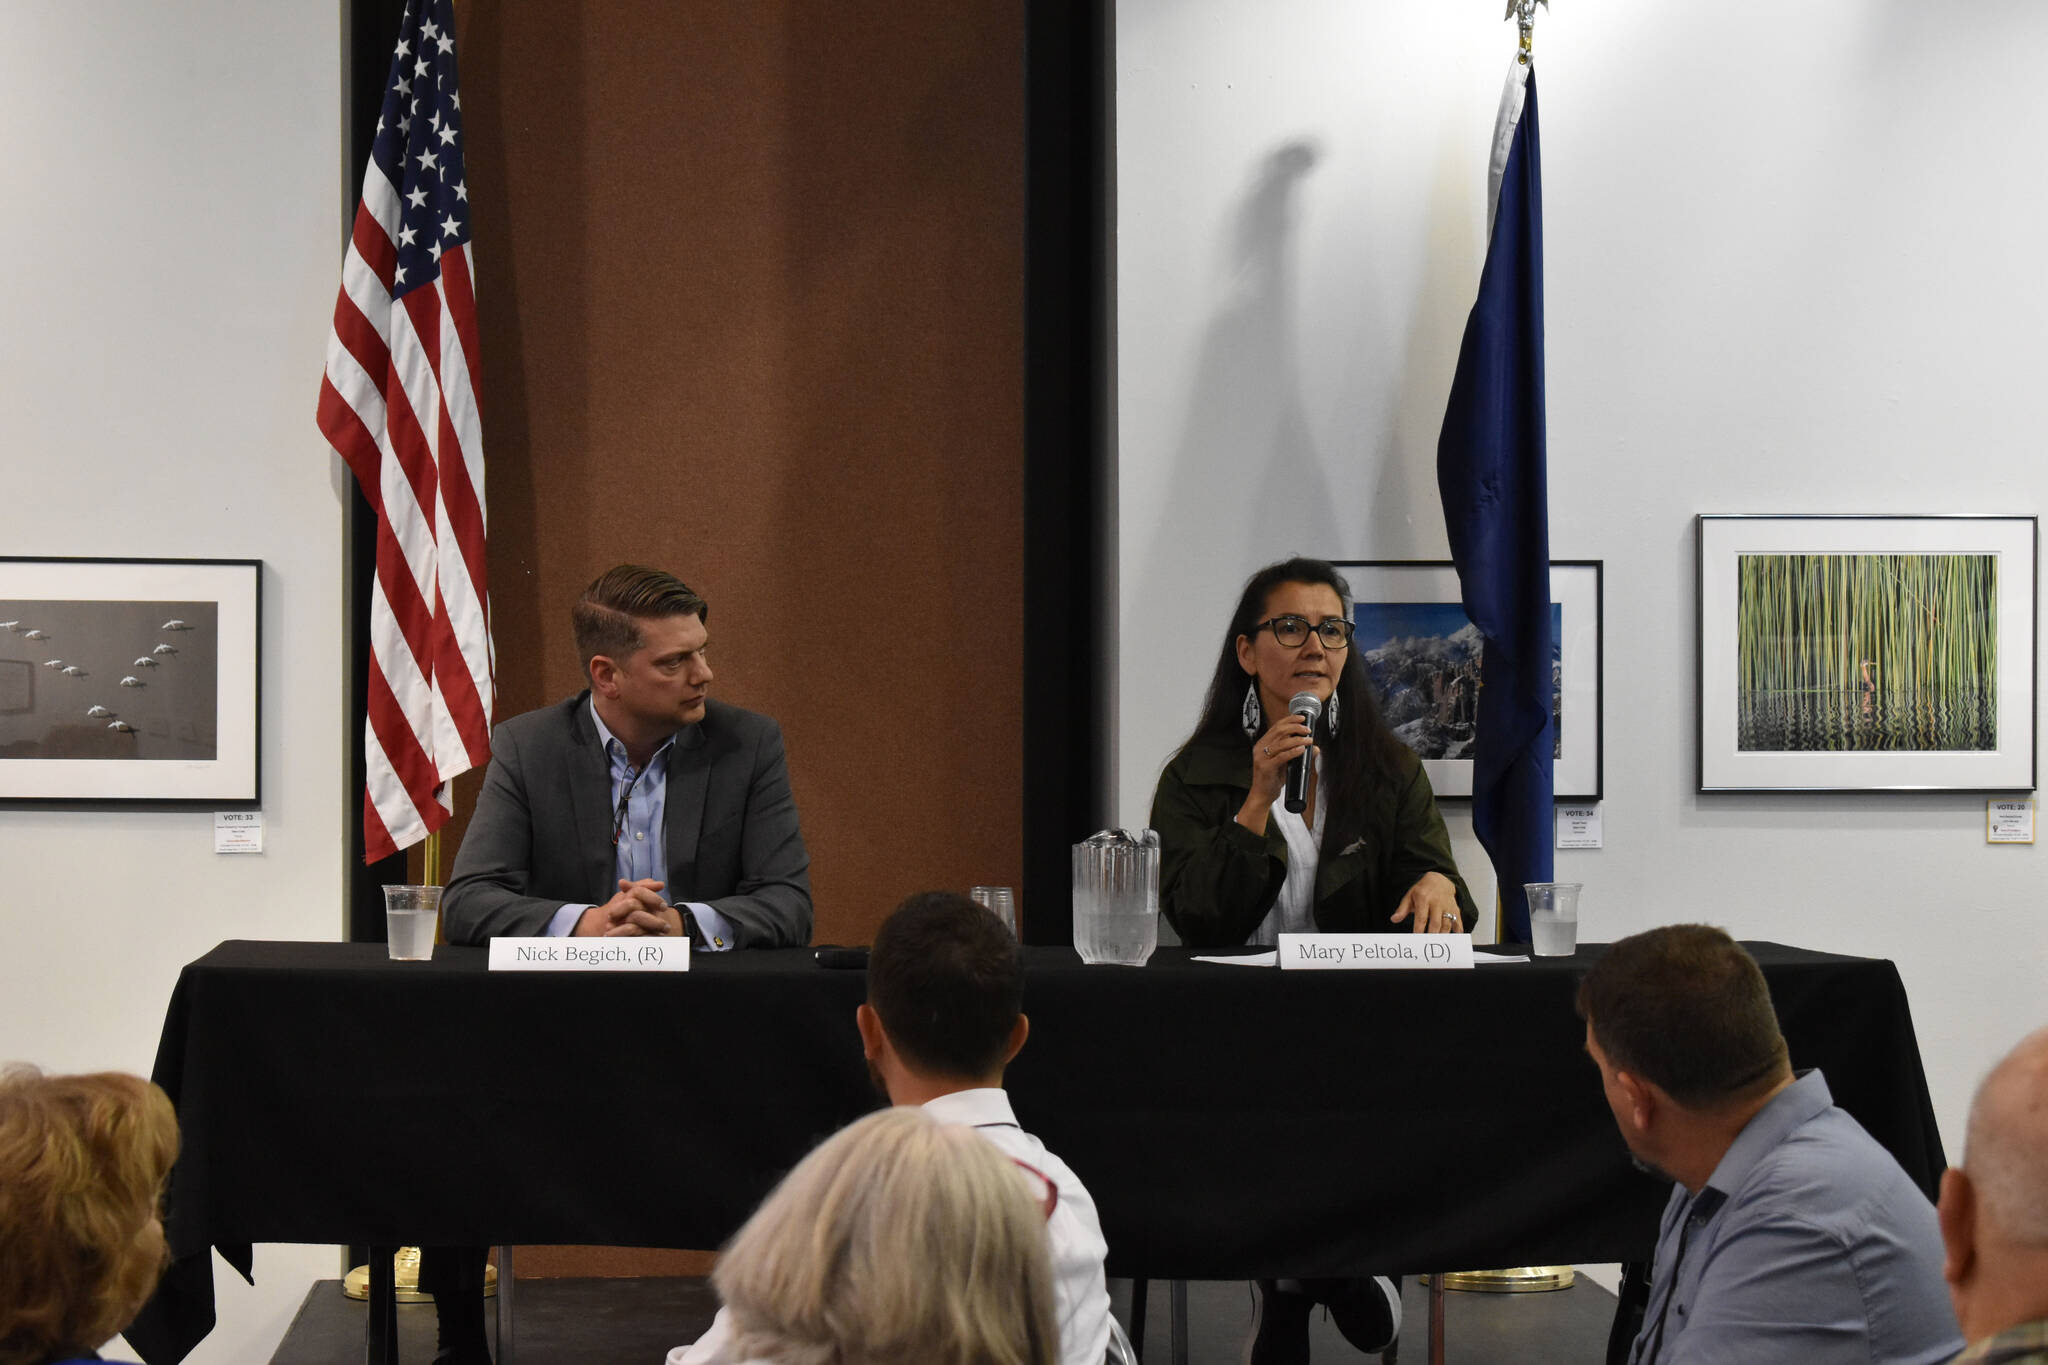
x,y
410,914
999,901
1553,917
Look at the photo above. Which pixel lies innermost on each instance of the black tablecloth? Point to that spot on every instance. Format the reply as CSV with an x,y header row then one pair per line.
x,y
1230,1121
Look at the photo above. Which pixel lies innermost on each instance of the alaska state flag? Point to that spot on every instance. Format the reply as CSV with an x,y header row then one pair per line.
x,y
1490,471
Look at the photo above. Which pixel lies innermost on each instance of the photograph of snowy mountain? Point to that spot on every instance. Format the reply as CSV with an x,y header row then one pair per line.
x,y
1423,658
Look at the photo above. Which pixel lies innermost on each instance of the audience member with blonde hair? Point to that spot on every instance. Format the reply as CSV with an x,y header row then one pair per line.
x,y
943,1018
83,1160
899,1239
1994,1214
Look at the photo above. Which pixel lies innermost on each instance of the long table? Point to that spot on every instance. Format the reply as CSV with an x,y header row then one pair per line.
x,y
1232,1122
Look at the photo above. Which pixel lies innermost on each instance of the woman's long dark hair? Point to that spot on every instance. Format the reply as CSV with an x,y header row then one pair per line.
x,y
1362,754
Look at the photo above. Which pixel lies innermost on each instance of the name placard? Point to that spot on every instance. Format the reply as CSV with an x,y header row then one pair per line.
x,y
1374,952
590,955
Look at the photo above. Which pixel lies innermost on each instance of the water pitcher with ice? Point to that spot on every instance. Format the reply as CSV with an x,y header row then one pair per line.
x,y
1116,897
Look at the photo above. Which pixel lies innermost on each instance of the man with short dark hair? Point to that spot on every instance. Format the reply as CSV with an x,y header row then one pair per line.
x,y
1994,1214
639,806
944,1016
1791,1235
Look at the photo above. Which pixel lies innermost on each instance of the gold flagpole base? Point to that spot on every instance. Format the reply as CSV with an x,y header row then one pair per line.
x,y
405,1273
1521,1279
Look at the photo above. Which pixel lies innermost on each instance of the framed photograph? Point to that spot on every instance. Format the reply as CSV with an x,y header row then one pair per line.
x,y
1867,653
1424,655
129,680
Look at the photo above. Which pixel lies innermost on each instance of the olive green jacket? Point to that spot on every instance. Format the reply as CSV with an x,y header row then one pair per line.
x,y
1218,880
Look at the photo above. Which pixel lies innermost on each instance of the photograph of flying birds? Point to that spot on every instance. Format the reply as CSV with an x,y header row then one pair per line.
x,y
118,679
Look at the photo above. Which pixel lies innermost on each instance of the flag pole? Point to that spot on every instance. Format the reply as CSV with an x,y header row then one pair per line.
x,y
405,1262
430,872
403,359
1530,1278
1523,12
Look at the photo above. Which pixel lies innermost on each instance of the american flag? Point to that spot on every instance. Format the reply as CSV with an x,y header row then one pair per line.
x,y
398,404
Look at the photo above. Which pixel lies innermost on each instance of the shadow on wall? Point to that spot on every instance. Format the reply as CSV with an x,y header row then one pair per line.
x,y
1405,511
1244,455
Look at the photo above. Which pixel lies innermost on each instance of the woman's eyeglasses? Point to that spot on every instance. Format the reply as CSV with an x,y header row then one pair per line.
x,y
1334,632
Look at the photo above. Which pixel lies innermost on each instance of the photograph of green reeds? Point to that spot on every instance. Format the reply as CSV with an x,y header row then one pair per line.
x,y
1842,652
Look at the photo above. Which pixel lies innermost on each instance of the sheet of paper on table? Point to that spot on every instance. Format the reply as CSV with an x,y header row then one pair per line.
x,y
1272,958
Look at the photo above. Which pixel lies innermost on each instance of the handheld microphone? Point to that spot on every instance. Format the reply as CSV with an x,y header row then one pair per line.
x,y
1309,707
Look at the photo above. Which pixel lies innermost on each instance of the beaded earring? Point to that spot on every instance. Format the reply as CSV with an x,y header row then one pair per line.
x,y
1254,719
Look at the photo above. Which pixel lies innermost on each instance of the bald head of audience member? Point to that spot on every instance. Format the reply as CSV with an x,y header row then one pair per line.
x,y
1680,1023
1994,1210
945,1006
83,1160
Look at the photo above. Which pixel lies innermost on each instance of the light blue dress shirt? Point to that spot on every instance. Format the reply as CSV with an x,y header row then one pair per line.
x,y
1807,1246
641,851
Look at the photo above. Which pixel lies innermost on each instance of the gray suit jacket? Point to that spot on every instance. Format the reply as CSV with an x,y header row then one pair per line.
x,y
541,837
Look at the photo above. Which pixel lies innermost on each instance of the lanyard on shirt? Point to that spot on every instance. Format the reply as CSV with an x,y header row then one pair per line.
x,y
625,799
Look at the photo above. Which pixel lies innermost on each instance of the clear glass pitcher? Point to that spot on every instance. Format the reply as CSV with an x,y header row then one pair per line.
x,y
1116,897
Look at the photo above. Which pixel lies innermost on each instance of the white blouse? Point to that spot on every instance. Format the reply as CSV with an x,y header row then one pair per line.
x,y
1294,909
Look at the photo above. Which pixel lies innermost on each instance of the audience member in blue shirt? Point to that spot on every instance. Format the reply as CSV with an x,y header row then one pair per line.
x,y
1791,1235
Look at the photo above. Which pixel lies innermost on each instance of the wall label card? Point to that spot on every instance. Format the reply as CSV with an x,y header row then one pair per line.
x,y
238,831
1578,827
1373,952
590,955
2008,822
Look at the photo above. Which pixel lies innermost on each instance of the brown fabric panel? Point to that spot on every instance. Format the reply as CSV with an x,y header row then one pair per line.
x,y
750,286
750,296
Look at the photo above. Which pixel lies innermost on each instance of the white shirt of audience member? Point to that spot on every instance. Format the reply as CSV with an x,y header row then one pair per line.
x,y
1073,1233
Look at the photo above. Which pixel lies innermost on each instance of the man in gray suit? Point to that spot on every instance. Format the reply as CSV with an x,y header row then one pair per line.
x,y
639,806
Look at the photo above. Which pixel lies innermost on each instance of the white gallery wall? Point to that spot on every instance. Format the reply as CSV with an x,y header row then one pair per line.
x,y
1793,264
172,240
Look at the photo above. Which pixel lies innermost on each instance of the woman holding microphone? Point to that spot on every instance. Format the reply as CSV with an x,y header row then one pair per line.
x,y
1367,853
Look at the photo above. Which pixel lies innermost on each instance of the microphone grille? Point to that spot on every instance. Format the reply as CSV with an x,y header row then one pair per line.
x,y
1306,704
